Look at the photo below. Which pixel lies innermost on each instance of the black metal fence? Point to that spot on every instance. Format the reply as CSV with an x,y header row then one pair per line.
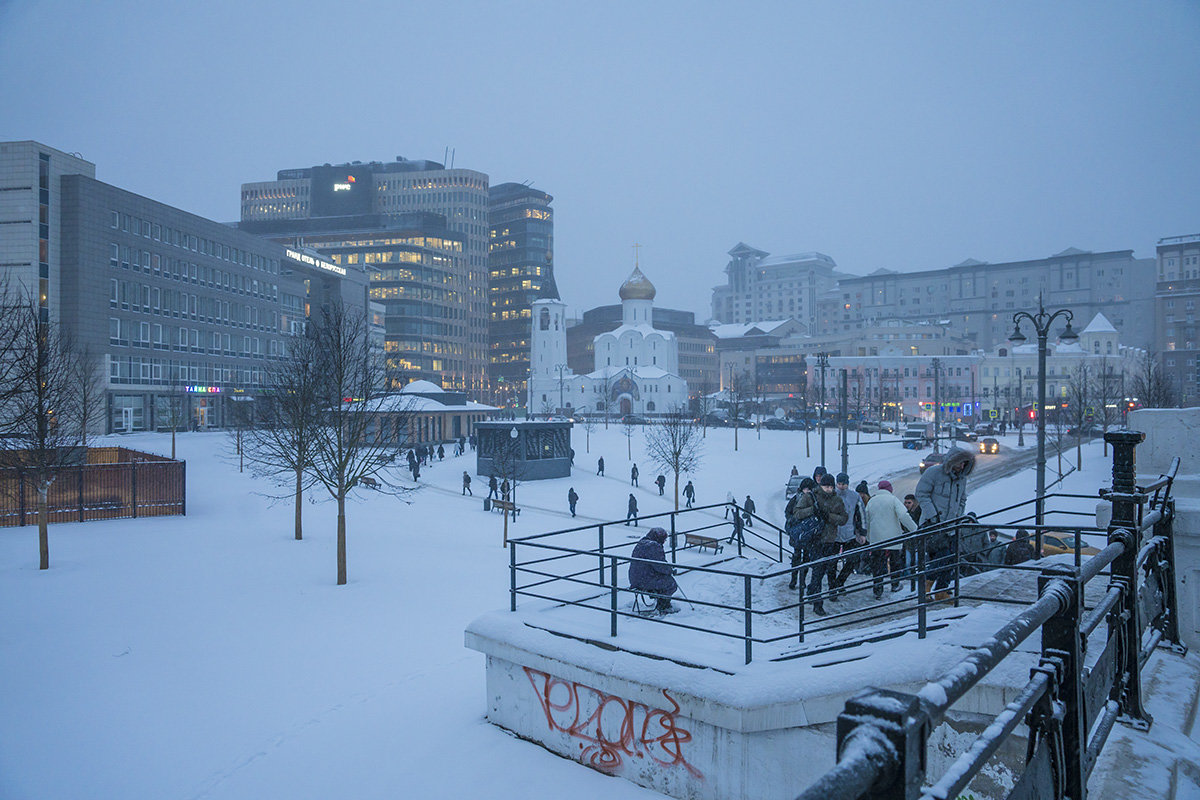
x,y
1069,708
109,483
555,567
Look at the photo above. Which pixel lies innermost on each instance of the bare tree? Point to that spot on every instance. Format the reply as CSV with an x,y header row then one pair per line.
x,y
1107,394
588,420
45,413
628,428
507,466
704,404
736,395
14,311
605,389
173,414
1151,385
89,380
348,444
675,444
547,409
1079,399
280,444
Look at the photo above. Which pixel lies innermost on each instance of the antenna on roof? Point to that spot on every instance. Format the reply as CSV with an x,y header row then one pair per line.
x,y
452,151
446,155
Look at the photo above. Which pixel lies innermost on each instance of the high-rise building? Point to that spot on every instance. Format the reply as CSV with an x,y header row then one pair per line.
x,y
520,263
185,314
763,287
436,316
1177,295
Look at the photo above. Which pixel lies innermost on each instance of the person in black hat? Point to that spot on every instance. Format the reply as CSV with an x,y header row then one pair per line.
x,y
832,513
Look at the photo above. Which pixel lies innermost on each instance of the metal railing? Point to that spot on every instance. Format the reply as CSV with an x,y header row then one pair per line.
x,y
554,567
1069,708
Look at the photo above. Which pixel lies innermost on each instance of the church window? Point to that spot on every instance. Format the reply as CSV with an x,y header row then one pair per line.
x,y
544,320
650,406
654,359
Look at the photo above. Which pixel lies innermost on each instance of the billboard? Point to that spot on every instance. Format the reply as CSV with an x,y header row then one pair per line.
x,y
341,191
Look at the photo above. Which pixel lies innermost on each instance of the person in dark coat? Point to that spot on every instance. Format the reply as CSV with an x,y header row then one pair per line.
x,y
689,494
738,527
910,547
504,489
572,456
942,493
661,483
631,512
749,508
492,488
416,470
633,476
1019,550
653,576
572,499
794,470
817,473
600,465
467,484
441,453
801,506
832,513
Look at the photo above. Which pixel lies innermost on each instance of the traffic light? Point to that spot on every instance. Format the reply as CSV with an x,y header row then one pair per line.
x,y
1032,414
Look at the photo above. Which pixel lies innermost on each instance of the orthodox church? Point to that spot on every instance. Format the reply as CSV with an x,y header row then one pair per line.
x,y
636,367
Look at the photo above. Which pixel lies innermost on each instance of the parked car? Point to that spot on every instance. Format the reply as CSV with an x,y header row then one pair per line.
x,y
869,427
985,429
929,459
914,439
793,485
961,433
633,419
714,420
776,424
1055,543
989,446
887,427
741,423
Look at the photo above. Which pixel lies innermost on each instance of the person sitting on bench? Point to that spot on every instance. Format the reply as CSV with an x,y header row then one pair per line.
x,y
653,576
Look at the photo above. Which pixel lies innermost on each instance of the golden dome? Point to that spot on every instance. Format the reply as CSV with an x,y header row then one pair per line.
x,y
637,287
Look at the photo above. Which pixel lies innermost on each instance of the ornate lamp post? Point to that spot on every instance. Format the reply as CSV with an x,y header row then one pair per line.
x,y
1041,324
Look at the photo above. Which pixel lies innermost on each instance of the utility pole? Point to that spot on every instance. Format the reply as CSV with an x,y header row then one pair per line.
x,y
823,363
937,405
845,440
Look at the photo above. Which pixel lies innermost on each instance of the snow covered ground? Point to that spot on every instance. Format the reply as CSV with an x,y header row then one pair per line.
x,y
212,656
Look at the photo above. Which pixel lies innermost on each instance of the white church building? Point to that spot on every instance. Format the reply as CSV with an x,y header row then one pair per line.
x,y
636,367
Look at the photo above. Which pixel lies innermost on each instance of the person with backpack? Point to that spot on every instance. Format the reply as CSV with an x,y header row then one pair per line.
x,y
888,520
467,484
803,529
661,483
572,499
689,494
493,487
832,513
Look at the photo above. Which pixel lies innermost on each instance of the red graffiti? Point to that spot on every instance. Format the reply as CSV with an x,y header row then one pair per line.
x,y
618,733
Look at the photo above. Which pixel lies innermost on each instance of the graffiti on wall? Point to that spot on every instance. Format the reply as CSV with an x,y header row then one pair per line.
x,y
611,728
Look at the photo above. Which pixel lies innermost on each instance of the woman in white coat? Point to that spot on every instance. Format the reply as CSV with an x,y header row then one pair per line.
x,y
888,520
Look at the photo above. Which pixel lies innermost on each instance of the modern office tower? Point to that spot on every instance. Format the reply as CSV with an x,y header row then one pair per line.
x,y
761,287
183,312
977,299
436,317
1177,294
520,263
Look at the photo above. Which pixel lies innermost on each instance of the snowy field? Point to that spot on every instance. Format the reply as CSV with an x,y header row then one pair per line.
x,y
212,656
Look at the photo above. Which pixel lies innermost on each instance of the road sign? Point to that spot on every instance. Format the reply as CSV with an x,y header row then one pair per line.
x,y
993,414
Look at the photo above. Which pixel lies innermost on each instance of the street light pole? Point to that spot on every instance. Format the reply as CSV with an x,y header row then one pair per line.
x,y
1041,322
937,405
560,368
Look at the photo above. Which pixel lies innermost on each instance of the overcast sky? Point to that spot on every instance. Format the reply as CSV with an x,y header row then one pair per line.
x,y
884,134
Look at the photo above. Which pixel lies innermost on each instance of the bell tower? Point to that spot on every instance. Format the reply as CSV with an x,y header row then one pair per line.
x,y
548,346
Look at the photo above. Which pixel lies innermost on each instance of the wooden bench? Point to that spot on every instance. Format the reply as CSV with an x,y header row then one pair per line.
x,y
505,505
701,542
369,482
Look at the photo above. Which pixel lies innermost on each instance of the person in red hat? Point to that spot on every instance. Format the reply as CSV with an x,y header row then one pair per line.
x,y
888,521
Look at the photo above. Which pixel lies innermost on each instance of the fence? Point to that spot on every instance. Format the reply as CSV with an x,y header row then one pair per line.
x,y
589,577
108,483
1069,708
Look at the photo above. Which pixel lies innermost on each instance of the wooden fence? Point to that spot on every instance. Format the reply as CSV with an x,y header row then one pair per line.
x,y
112,483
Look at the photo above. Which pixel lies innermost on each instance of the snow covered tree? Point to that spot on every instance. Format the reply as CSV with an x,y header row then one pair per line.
x,y
1151,384
675,444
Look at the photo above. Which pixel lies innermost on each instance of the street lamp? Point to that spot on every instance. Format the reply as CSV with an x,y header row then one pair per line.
x,y
1041,324
560,368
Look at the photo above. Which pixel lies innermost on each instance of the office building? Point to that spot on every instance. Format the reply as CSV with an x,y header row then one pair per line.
x,y
381,213
185,313
759,286
977,300
520,264
1177,293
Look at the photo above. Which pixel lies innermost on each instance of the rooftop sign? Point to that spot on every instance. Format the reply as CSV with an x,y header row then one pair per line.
x,y
313,261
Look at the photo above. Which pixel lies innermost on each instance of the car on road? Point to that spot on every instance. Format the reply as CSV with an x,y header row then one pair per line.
x,y
793,485
1055,543
776,424
633,419
985,429
961,433
989,446
914,439
869,427
929,459
741,423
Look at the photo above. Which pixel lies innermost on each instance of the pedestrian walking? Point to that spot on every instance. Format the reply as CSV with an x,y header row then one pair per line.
x,y
832,513
1019,550
749,509
794,470
910,547
467,484
689,494
852,533
942,493
738,530
572,457
416,470
731,504
441,453
492,487
632,511
504,489
633,476
572,499
600,465
661,483
887,521
803,528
